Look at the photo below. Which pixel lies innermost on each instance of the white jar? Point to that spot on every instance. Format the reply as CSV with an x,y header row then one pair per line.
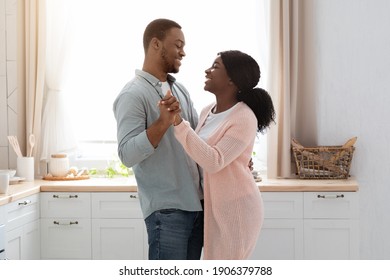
x,y
59,165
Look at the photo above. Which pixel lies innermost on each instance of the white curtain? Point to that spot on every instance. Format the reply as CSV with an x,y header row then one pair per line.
x,y
283,83
57,133
31,65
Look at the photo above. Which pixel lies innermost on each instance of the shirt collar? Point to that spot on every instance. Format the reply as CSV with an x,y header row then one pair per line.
x,y
152,79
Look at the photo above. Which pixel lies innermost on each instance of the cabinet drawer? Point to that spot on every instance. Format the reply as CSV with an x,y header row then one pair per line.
x,y
66,238
2,215
66,205
283,205
334,205
22,211
116,205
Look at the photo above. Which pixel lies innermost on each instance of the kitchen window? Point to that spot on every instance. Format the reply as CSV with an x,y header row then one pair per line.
x,y
107,48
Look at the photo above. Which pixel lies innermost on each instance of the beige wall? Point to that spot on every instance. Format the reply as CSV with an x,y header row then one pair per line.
x,y
8,81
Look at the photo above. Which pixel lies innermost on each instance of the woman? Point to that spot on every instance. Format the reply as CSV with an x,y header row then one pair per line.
x,y
222,145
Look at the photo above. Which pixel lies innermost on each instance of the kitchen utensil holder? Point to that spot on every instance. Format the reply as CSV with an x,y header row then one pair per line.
x,y
25,168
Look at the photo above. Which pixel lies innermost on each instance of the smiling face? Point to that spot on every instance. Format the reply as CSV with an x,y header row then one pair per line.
x,y
172,50
217,79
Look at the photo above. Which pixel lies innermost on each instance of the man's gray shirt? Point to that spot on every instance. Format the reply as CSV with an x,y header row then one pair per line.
x,y
166,176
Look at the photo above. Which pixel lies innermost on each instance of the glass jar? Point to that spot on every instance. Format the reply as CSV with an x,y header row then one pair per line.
x,y
59,165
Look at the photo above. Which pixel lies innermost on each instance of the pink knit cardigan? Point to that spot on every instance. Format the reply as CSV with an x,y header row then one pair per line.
x,y
233,205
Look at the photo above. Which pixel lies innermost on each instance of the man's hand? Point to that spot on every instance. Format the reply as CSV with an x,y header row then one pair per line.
x,y
250,164
169,108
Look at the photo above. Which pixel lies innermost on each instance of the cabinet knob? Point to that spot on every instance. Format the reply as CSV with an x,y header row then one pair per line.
x,y
65,196
331,196
24,203
133,196
65,224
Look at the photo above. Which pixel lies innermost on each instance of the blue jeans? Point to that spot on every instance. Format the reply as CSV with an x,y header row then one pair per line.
x,y
175,235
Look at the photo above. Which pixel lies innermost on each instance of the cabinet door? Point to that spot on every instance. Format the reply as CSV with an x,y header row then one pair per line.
x,y
327,239
280,239
66,238
118,239
23,243
22,211
13,244
31,242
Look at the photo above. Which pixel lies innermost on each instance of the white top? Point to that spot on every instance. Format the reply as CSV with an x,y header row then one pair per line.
x,y
212,122
164,87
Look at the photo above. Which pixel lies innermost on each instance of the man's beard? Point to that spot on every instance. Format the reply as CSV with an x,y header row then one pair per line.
x,y
169,67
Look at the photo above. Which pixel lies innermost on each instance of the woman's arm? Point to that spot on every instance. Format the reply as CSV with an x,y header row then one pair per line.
x,y
239,133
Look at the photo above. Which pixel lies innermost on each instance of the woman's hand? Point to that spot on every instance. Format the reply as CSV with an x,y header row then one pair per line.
x,y
170,109
178,120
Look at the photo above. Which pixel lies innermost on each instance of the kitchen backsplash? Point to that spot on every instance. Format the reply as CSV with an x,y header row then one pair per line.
x,y
8,80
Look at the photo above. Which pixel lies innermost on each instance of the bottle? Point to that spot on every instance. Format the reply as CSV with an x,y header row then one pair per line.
x,y
59,165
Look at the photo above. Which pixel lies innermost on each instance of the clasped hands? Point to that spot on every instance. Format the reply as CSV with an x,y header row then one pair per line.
x,y
170,109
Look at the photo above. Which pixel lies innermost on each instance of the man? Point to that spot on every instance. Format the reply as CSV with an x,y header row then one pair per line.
x,y
169,182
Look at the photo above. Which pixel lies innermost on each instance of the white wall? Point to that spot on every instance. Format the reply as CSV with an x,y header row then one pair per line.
x,y
346,79
8,81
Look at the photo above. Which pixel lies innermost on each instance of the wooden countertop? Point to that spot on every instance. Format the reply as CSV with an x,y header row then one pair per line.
x,y
305,185
24,189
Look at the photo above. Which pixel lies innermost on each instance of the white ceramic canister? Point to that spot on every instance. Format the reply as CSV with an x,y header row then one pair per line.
x,y
25,168
59,165
4,182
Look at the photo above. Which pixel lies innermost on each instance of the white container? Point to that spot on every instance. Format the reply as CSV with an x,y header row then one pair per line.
x,y
25,168
4,182
59,165
11,172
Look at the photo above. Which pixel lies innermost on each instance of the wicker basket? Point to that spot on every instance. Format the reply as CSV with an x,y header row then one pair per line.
x,y
323,162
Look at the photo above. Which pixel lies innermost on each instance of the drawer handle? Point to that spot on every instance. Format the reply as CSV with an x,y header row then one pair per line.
x,y
65,196
65,224
133,196
24,203
330,196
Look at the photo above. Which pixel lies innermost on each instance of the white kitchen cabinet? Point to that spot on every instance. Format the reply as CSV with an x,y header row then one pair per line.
x,y
23,229
23,243
309,225
118,239
84,225
66,205
331,225
2,215
118,229
2,233
281,236
280,239
66,238
66,225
